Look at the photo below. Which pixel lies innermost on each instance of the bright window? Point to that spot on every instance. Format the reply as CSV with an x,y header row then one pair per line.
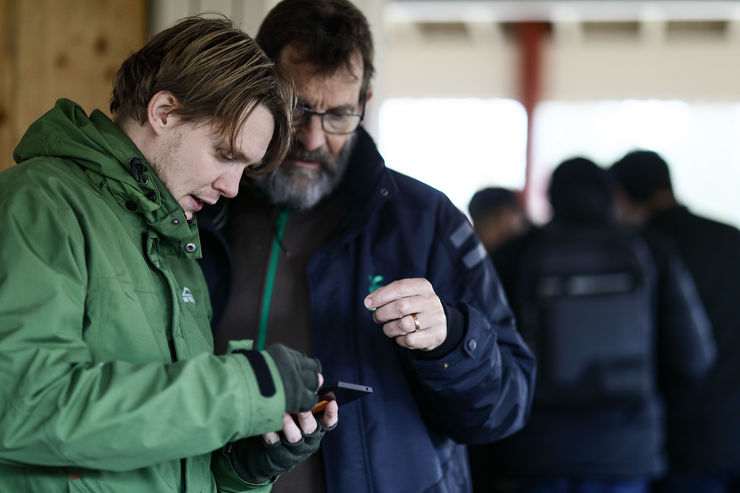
x,y
698,140
456,145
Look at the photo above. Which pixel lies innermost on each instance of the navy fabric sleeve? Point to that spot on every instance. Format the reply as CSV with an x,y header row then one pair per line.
x,y
481,389
687,346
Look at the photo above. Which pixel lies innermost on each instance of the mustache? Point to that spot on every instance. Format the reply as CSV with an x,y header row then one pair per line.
x,y
301,154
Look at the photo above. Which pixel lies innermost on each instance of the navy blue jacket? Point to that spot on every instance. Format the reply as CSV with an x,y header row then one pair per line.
x,y
408,435
704,419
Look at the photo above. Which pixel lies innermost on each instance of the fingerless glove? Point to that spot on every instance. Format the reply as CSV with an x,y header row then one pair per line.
x,y
257,461
299,374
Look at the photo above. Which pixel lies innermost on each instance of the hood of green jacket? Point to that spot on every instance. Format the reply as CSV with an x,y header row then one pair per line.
x,y
112,163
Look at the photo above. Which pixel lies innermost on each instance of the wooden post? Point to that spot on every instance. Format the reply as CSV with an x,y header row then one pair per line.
x,y
51,49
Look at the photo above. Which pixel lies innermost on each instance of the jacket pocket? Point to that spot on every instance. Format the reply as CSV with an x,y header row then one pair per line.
x,y
126,320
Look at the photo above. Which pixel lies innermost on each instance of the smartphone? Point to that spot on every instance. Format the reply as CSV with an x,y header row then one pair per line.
x,y
342,392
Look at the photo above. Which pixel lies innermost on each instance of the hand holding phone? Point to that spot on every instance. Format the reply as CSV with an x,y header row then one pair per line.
x,y
342,392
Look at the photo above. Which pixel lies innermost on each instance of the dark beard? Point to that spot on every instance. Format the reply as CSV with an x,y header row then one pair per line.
x,y
302,188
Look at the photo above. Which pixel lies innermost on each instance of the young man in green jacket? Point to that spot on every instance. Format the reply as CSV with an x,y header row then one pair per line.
x,y
108,381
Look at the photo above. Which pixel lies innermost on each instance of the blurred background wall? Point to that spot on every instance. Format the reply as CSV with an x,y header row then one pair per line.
x,y
596,78
468,93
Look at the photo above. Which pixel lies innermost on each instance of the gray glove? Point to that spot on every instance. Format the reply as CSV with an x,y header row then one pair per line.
x,y
256,461
300,377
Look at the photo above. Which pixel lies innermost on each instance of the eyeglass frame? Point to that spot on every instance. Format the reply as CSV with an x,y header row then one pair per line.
x,y
306,109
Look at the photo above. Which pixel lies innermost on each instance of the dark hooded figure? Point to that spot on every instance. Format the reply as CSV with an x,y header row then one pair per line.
x,y
703,423
581,192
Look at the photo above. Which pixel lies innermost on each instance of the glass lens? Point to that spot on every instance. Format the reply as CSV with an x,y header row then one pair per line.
x,y
340,123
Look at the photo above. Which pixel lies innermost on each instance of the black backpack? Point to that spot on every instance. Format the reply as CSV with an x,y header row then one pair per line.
x,y
587,309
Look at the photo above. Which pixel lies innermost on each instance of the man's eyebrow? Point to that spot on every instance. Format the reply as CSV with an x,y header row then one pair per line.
x,y
236,155
241,158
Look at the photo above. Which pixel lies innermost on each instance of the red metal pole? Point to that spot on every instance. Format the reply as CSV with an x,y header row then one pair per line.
x,y
530,37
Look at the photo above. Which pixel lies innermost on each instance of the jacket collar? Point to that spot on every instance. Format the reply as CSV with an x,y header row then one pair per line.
x,y
137,188
367,183
113,165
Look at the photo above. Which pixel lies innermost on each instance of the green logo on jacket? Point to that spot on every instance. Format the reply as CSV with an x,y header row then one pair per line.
x,y
374,283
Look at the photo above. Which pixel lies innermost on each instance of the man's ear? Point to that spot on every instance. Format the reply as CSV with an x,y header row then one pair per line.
x,y
159,111
368,94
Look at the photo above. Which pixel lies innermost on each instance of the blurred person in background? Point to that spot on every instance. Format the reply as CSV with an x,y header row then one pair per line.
x,y
497,216
703,416
373,272
611,315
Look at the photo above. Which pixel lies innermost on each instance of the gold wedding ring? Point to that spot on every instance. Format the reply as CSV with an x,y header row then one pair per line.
x,y
417,325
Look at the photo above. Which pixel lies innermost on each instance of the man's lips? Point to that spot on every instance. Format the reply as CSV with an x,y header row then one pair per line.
x,y
303,163
199,203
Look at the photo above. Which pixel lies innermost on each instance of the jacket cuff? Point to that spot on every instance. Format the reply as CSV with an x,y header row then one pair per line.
x,y
264,395
455,334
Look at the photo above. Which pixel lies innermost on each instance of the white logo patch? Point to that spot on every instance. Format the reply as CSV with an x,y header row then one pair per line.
x,y
187,296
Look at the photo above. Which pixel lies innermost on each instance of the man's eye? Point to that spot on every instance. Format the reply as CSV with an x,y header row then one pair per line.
x,y
227,157
336,116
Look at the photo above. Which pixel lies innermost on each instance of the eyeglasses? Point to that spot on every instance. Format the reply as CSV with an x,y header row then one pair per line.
x,y
331,123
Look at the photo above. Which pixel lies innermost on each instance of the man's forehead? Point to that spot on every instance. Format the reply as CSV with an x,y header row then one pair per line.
x,y
309,79
240,150
294,54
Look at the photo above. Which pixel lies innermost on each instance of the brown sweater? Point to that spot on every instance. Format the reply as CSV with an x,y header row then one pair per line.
x,y
251,237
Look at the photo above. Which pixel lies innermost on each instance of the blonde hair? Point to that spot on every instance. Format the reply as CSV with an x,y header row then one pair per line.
x,y
217,73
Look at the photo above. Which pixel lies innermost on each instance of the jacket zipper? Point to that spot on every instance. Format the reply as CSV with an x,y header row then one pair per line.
x,y
170,345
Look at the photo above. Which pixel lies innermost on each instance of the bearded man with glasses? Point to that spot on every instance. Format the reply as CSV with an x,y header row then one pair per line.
x,y
375,273
314,170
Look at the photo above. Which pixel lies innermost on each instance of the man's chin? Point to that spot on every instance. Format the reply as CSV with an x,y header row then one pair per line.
x,y
301,183
290,170
298,192
299,180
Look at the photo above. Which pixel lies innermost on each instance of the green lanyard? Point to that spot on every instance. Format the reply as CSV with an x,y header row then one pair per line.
x,y
280,221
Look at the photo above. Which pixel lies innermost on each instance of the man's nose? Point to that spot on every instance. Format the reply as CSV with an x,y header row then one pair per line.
x,y
228,183
311,135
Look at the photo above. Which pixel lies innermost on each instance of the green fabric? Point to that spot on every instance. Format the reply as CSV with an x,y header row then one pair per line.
x,y
299,376
231,482
107,376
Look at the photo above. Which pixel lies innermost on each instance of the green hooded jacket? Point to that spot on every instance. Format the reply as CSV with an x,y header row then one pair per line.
x,y
108,381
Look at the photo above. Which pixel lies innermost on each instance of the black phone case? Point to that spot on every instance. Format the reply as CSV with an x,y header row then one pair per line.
x,y
343,392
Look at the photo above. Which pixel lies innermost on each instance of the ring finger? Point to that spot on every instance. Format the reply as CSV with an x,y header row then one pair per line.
x,y
402,326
